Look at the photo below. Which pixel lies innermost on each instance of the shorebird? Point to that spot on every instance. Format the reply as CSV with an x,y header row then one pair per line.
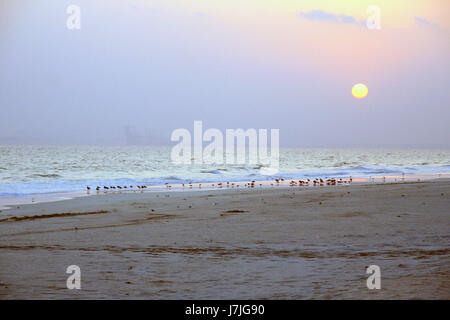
x,y
88,188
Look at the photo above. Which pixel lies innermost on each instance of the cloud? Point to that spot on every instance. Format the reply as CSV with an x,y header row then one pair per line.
x,y
431,26
425,22
320,15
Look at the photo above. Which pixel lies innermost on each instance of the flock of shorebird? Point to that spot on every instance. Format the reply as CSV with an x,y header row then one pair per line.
x,y
115,187
251,184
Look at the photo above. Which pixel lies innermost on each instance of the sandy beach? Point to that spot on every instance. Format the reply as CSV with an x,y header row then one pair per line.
x,y
274,243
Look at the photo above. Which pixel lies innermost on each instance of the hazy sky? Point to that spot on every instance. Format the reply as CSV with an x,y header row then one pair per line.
x,y
288,64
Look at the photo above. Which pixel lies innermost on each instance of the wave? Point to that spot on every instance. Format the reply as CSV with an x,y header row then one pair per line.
x,y
211,171
40,184
172,178
39,175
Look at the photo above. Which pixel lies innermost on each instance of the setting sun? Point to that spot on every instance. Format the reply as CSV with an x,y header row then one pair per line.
x,y
359,91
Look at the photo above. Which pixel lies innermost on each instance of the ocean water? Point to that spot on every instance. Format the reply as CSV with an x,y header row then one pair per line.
x,y
26,170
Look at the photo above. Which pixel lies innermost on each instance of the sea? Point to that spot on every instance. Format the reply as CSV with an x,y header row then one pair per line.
x,y
33,169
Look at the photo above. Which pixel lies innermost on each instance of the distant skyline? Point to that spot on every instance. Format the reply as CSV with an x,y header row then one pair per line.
x,y
156,66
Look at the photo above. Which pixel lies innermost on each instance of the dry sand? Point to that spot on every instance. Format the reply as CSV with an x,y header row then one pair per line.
x,y
280,243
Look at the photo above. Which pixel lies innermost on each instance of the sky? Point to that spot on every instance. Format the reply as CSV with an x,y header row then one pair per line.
x,y
155,66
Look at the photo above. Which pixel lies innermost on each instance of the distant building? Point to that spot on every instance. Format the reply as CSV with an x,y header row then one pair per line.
x,y
135,138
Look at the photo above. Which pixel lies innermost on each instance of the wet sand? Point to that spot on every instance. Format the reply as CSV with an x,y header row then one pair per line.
x,y
274,243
